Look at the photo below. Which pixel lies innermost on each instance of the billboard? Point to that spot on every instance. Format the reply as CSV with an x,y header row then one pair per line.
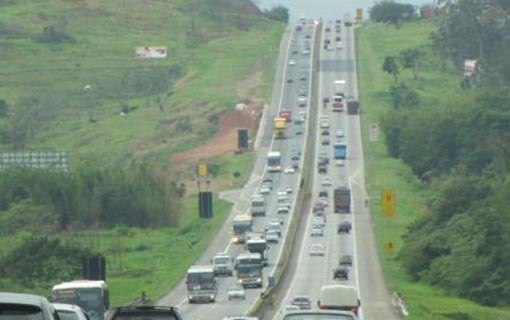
x,y
58,160
151,52
359,15
203,169
470,67
388,202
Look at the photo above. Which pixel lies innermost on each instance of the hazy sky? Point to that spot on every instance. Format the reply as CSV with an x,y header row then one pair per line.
x,y
327,9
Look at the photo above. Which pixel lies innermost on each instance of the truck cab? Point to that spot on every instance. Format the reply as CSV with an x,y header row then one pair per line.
x,y
223,264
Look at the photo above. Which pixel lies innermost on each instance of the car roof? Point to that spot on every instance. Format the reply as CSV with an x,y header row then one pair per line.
x,y
318,312
67,307
80,284
21,298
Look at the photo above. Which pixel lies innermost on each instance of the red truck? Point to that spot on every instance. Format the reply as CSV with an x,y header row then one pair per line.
x,y
286,114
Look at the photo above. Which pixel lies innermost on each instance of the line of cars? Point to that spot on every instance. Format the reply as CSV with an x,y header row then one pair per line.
x,y
22,306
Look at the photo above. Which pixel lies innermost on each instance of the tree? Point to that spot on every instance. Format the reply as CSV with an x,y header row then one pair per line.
x,y
278,13
390,66
409,60
391,12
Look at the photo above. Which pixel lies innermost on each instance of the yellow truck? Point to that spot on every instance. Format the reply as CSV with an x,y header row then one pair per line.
x,y
280,126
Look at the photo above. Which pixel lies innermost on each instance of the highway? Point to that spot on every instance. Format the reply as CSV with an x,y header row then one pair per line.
x,y
313,272
285,97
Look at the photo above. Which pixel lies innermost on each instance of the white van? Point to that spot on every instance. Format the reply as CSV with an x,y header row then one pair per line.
x,y
339,297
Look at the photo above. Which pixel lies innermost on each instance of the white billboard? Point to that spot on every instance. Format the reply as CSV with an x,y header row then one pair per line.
x,y
151,52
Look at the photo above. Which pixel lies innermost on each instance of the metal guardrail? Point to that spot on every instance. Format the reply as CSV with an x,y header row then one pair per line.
x,y
398,302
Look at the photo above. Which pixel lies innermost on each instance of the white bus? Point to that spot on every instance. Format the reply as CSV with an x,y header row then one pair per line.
x,y
91,295
274,161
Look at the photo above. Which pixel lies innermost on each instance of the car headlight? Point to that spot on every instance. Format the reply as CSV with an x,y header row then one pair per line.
x,y
211,296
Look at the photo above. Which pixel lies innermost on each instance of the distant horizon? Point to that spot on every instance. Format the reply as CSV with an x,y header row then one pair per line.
x,y
324,8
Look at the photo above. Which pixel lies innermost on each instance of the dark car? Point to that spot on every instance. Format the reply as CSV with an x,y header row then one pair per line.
x,y
345,260
303,302
323,193
26,306
325,142
325,132
143,312
290,80
341,273
344,227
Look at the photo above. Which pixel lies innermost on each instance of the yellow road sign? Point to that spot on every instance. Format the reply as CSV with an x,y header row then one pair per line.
x,y
388,203
203,170
359,15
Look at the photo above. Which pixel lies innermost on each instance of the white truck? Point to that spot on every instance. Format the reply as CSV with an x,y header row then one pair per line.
x,y
223,264
338,95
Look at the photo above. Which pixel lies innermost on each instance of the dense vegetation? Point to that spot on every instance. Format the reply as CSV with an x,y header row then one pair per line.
x,y
46,202
459,148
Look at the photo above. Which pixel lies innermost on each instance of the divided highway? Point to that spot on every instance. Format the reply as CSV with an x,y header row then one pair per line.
x,y
337,62
295,83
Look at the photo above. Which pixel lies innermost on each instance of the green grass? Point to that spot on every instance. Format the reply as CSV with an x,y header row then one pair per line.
x,y
153,260
102,56
375,42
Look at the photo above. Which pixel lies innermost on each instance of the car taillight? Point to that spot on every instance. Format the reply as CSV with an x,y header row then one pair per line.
x,y
354,310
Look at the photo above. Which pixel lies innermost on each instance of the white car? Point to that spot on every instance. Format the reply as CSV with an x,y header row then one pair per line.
x,y
265,189
340,134
272,236
316,249
283,210
326,182
289,170
292,62
317,232
339,163
306,52
236,291
282,193
289,190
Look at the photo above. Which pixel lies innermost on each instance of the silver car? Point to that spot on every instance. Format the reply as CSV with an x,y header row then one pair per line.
x,y
236,292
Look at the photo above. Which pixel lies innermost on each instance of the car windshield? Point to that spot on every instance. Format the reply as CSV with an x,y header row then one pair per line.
x,y
222,260
67,315
20,312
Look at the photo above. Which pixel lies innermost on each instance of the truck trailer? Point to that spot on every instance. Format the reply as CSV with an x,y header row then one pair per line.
x,y
342,200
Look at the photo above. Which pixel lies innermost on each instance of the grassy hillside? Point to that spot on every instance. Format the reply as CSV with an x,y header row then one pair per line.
x,y
67,71
212,46
434,84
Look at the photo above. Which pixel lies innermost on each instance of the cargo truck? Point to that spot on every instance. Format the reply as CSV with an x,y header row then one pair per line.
x,y
241,224
258,206
352,107
256,243
274,161
342,200
287,114
338,95
280,127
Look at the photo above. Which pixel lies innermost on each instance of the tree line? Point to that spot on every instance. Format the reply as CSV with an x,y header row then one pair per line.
x,y
44,202
460,148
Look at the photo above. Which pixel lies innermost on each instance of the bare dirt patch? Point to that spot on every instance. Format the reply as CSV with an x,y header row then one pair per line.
x,y
225,140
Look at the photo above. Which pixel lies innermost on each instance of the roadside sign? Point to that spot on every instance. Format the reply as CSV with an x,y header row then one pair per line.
x,y
388,203
203,170
372,132
359,15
